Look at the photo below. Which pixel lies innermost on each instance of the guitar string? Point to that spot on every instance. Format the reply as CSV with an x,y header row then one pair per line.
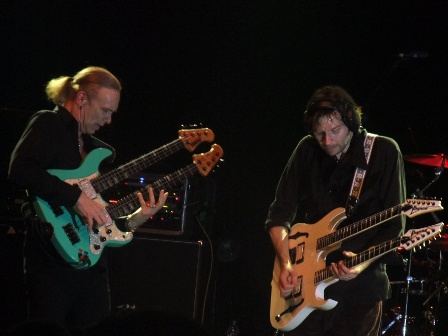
x,y
175,144
118,209
128,202
357,226
377,251
119,174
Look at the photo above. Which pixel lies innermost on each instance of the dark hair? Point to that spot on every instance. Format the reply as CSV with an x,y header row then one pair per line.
x,y
328,100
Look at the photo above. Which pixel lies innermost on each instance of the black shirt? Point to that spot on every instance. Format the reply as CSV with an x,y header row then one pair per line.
x,y
313,184
50,141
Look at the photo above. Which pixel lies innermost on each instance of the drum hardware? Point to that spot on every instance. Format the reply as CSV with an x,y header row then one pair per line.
x,y
428,321
412,291
440,288
408,282
397,318
437,161
431,313
440,244
406,321
403,317
432,160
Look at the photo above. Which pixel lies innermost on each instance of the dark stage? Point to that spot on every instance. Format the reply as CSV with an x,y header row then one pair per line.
x,y
244,69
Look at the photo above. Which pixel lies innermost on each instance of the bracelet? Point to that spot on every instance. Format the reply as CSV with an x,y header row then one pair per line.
x,y
130,225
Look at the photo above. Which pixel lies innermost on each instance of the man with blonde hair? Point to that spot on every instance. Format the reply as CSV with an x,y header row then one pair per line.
x,y
60,139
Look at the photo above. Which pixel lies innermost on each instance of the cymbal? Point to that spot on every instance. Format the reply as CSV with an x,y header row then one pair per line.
x,y
440,244
433,160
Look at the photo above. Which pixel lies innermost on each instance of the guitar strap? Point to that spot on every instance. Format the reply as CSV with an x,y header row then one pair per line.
x,y
358,179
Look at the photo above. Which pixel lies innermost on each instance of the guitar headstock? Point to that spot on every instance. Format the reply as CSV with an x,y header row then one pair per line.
x,y
194,137
414,207
207,161
413,238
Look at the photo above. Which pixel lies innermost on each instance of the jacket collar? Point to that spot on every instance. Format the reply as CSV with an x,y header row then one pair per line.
x,y
358,158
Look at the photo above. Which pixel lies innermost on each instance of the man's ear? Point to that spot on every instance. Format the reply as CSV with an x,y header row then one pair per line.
x,y
81,98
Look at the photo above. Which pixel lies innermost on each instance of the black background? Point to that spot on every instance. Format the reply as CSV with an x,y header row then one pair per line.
x,y
245,69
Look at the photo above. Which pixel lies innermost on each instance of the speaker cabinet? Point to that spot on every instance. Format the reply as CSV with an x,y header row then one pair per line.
x,y
170,276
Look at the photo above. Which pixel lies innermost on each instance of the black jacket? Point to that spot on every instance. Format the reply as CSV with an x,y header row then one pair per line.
x,y
313,184
50,141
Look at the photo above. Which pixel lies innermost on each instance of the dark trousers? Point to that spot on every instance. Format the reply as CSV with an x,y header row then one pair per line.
x,y
78,299
75,298
342,320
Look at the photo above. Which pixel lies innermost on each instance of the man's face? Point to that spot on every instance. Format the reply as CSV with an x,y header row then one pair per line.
x,y
332,134
98,110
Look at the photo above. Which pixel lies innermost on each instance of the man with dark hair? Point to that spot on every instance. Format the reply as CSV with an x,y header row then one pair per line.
x,y
317,179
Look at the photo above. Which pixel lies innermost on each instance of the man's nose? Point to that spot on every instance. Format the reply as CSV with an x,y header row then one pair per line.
x,y
107,119
326,140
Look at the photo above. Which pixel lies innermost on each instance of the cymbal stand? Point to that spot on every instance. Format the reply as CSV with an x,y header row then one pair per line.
x,y
437,172
396,319
441,287
408,282
404,316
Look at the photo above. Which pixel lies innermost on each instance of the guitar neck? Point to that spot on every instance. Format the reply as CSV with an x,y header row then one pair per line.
x,y
130,202
360,258
408,241
358,227
120,174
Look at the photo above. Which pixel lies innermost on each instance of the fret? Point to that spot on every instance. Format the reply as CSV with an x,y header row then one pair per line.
x,y
358,226
130,202
125,171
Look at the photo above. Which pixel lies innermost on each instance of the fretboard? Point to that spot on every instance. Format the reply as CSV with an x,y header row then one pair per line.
x,y
123,172
358,227
130,203
360,258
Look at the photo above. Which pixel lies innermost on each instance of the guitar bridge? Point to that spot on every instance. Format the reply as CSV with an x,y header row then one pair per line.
x,y
295,298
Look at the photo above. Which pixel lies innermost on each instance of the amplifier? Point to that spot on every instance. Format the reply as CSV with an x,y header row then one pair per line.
x,y
163,275
183,204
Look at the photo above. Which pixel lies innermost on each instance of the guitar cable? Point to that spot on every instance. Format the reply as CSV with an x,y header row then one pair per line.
x,y
207,287
197,216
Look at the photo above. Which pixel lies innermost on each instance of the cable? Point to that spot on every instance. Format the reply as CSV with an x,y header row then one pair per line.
x,y
207,287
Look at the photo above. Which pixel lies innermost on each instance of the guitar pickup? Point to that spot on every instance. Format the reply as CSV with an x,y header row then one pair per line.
x,y
57,210
71,234
297,253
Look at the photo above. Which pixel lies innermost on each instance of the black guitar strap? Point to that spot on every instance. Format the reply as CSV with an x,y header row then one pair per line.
x,y
358,179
